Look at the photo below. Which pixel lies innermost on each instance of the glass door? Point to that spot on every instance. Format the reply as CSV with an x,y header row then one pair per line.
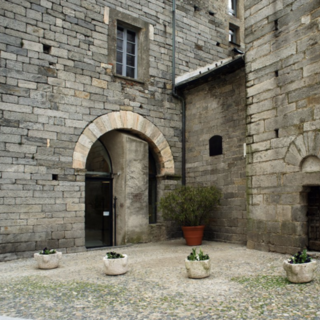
x,y
98,215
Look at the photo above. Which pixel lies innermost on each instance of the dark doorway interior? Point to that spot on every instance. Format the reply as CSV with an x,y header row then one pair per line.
x,y
314,219
152,195
98,198
98,212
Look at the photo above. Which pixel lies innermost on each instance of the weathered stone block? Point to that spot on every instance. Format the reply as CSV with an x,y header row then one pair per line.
x,y
263,212
66,243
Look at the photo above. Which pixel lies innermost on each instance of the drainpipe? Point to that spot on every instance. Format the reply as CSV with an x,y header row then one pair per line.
x,y
175,95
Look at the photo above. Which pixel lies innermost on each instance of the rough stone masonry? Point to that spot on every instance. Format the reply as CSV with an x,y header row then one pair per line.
x,y
282,67
59,92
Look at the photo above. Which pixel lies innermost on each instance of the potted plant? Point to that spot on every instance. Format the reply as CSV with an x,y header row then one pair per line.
x,y
191,207
198,264
115,263
48,258
300,267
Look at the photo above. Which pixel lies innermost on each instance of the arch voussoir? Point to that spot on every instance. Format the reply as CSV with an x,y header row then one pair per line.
x,y
126,120
303,146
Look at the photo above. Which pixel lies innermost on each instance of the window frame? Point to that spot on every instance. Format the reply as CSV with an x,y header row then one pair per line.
x,y
232,7
125,52
142,29
233,34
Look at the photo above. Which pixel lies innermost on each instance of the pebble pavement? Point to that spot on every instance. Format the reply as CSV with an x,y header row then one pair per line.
x,y
244,284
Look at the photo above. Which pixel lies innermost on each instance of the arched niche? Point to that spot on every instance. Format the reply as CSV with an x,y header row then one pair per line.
x,y
310,164
303,146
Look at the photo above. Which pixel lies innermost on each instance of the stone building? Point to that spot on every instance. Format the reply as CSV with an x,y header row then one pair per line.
x,y
215,141
281,76
90,129
107,104
282,68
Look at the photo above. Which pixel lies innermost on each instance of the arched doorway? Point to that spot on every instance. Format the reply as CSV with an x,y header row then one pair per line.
x,y
128,139
98,198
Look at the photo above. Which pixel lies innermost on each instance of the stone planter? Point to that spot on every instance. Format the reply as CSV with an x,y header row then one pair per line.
x,y
198,269
114,267
300,273
48,261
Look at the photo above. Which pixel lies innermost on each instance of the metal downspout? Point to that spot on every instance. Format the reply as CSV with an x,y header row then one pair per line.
x,y
175,95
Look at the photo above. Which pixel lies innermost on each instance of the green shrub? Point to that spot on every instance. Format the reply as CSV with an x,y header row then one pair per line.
x,y
190,206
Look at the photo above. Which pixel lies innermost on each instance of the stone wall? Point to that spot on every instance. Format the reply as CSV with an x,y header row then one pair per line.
x,y
57,77
217,107
283,90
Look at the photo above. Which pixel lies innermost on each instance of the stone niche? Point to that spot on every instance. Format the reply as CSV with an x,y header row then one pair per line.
x,y
311,164
129,156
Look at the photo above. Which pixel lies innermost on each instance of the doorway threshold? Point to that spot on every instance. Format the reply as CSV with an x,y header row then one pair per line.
x,y
110,247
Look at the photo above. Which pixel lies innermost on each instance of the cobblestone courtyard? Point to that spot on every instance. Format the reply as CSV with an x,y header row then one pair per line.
x,y
244,284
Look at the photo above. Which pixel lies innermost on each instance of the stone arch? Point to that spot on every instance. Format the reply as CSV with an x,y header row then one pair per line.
x,y
303,146
125,120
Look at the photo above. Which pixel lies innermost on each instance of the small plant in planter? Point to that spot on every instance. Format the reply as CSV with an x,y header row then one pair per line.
x,y
115,263
194,256
300,257
48,258
198,264
48,251
114,255
300,267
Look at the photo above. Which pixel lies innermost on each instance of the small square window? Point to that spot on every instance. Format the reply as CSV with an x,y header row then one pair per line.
x,y
46,49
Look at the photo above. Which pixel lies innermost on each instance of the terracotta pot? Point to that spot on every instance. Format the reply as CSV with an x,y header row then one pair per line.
x,y
301,272
48,261
198,269
114,267
193,235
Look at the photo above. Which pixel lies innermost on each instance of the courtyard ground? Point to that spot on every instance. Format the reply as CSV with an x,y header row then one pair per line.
x,y
244,284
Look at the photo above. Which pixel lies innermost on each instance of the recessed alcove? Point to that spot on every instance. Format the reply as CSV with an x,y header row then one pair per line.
x,y
310,164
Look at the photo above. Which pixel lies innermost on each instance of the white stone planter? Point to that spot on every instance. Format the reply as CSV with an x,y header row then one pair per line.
x,y
48,261
300,273
198,269
114,267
